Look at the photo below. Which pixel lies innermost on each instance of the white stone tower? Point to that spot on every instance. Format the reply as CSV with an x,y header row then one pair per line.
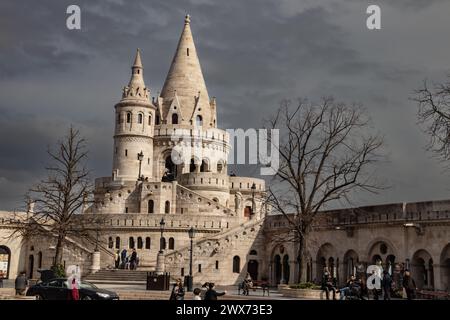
x,y
135,118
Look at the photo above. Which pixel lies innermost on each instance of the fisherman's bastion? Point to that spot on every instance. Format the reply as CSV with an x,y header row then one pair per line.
x,y
150,202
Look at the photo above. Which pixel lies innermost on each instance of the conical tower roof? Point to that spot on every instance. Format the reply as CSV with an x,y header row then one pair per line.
x,y
185,80
136,88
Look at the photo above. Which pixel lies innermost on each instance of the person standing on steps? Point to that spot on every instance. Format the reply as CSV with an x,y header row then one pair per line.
x,y
212,294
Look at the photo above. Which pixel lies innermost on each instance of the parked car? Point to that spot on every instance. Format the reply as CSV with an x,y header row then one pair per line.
x,y
58,289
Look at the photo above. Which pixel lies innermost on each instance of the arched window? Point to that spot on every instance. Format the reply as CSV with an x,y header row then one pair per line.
x,y
110,243
162,243
39,259
204,166
147,243
171,243
131,243
140,243
157,121
128,117
174,118
151,206
149,120
199,121
236,264
167,207
253,253
192,166
219,167
140,118
170,166
117,242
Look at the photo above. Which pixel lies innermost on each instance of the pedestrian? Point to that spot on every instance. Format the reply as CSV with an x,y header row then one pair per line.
x,y
117,259
123,258
177,291
21,284
133,259
1,278
212,294
197,292
74,292
327,284
410,285
386,283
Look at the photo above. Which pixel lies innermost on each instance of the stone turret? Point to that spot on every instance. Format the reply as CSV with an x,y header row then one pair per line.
x,y
134,127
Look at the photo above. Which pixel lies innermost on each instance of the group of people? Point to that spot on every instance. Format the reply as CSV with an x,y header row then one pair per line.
x,y
125,260
356,288
207,292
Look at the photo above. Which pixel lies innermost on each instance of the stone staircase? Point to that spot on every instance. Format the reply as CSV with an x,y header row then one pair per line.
x,y
118,276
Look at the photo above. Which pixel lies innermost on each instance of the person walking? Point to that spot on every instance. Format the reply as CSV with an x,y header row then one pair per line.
x,y
1,278
212,294
133,259
74,292
117,259
410,286
123,258
386,283
21,284
177,291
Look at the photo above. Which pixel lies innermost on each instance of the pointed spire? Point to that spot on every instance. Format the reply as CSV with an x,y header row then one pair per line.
x,y
185,74
136,88
137,61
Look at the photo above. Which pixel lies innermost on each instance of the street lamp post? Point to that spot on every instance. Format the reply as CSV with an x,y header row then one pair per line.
x,y
253,198
190,282
140,158
162,224
160,266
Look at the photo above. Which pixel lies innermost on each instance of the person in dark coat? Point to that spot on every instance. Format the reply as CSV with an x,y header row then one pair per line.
x,y
327,284
410,285
123,258
133,259
212,294
386,284
177,291
21,284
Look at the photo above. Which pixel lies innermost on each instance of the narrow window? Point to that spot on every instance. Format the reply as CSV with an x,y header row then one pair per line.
x,y
182,272
147,243
117,242
199,268
187,52
174,118
131,243
140,243
140,117
126,209
167,207
236,264
171,244
110,243
151,205
128,117
199,121
149,120
157,120
126,153
217,265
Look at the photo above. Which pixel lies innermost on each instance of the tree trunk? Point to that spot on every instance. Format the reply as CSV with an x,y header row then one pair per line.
x,y
59,249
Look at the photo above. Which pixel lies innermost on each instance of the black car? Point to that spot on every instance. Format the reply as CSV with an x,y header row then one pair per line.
x,y
58,289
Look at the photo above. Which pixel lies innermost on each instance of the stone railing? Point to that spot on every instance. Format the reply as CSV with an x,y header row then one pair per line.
x,y
245,184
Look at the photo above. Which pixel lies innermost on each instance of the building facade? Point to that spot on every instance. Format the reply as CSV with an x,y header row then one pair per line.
x,y
170,174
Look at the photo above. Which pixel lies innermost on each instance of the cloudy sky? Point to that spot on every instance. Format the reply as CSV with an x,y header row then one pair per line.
x,y
254,53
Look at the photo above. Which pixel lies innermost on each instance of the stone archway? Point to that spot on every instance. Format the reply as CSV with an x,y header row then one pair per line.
x,y
30,266
350,263
326,255
252,268
5,260
383,251
277,269
422,269
445,268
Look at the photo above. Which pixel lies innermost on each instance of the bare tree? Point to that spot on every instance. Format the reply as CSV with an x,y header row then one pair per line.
x,y
325,155
59,198
434,116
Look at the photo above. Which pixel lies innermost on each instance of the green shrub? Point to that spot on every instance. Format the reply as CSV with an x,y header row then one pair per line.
x,y
305,285
59,271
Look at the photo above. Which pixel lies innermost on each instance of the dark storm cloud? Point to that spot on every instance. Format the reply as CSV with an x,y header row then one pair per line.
x,y
253,53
